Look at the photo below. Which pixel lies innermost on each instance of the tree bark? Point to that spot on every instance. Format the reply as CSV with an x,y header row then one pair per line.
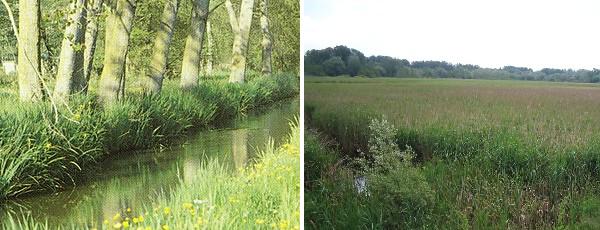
x,y
190,68
158,65
209,49
267,43
241,31
118,28
28,68
70,79
91,34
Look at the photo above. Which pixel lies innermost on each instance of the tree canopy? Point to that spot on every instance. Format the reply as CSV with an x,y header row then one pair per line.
x,y
341,60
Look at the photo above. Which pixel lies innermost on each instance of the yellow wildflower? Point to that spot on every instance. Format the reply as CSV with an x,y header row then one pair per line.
x,y
135,220
259,221
141,218
188,205
117,216
283,224
125,224
165,227
167,211
128,209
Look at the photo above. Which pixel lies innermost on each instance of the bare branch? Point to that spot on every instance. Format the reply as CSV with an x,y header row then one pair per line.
x,y
12,19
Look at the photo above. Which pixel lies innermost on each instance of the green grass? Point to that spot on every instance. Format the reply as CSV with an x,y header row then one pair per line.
x,y
503,154
45,151
264,195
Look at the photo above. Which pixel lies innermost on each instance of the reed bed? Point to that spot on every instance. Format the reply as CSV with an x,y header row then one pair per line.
x,y
500,153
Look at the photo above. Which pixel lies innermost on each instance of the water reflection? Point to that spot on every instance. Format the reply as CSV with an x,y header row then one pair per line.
x,y
239,147
131,180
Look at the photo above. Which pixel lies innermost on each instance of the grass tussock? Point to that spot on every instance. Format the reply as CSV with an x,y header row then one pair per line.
x,y
40,151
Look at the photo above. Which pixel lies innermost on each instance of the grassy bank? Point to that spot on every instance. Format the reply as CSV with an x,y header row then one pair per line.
x,y
498,153
41,150
265,195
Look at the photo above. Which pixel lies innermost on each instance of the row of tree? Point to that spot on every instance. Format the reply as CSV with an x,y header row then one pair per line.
x,y
77,50
341,60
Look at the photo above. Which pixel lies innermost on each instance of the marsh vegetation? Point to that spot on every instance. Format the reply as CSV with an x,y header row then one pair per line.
x,y
486,153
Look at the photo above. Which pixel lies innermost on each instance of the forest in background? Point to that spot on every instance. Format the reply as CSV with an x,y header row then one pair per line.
x,y
341,60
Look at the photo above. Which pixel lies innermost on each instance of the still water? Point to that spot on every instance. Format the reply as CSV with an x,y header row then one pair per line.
x,y
132,179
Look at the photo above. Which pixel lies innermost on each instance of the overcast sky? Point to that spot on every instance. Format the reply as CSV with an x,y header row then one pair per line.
x,y
489,33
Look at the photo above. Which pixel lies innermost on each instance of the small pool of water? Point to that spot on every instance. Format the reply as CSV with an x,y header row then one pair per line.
x,y
132,179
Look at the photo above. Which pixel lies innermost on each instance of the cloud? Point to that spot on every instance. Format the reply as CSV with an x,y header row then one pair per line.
x,y
537,34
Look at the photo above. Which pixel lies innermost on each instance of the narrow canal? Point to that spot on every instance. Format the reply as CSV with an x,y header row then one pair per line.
x,y
132,179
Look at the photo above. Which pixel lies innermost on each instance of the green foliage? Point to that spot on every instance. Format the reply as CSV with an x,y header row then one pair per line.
x,y
397,195
284,18
39,151
334,66
325,63
405,197
496,153
264,195
330,198
318,160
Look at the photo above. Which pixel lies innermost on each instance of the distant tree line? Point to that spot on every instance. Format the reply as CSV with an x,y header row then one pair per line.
x,y
342,60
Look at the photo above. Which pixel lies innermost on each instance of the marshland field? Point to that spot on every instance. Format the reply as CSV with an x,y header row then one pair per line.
x,y
481,153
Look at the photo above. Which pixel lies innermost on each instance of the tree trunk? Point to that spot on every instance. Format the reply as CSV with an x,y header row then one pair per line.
x,y
241,30
209,49
28,69
118,28
158,65
190,68
126,73
69,78
267,44
91,33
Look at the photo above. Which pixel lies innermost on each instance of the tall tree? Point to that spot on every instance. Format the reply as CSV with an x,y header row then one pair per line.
x,y
94,9
70,78
190,68
118,28
241,33
28,69
267,41
158,65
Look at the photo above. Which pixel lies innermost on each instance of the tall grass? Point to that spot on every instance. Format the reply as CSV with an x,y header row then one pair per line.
x,y
500,153
40,151
264,195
